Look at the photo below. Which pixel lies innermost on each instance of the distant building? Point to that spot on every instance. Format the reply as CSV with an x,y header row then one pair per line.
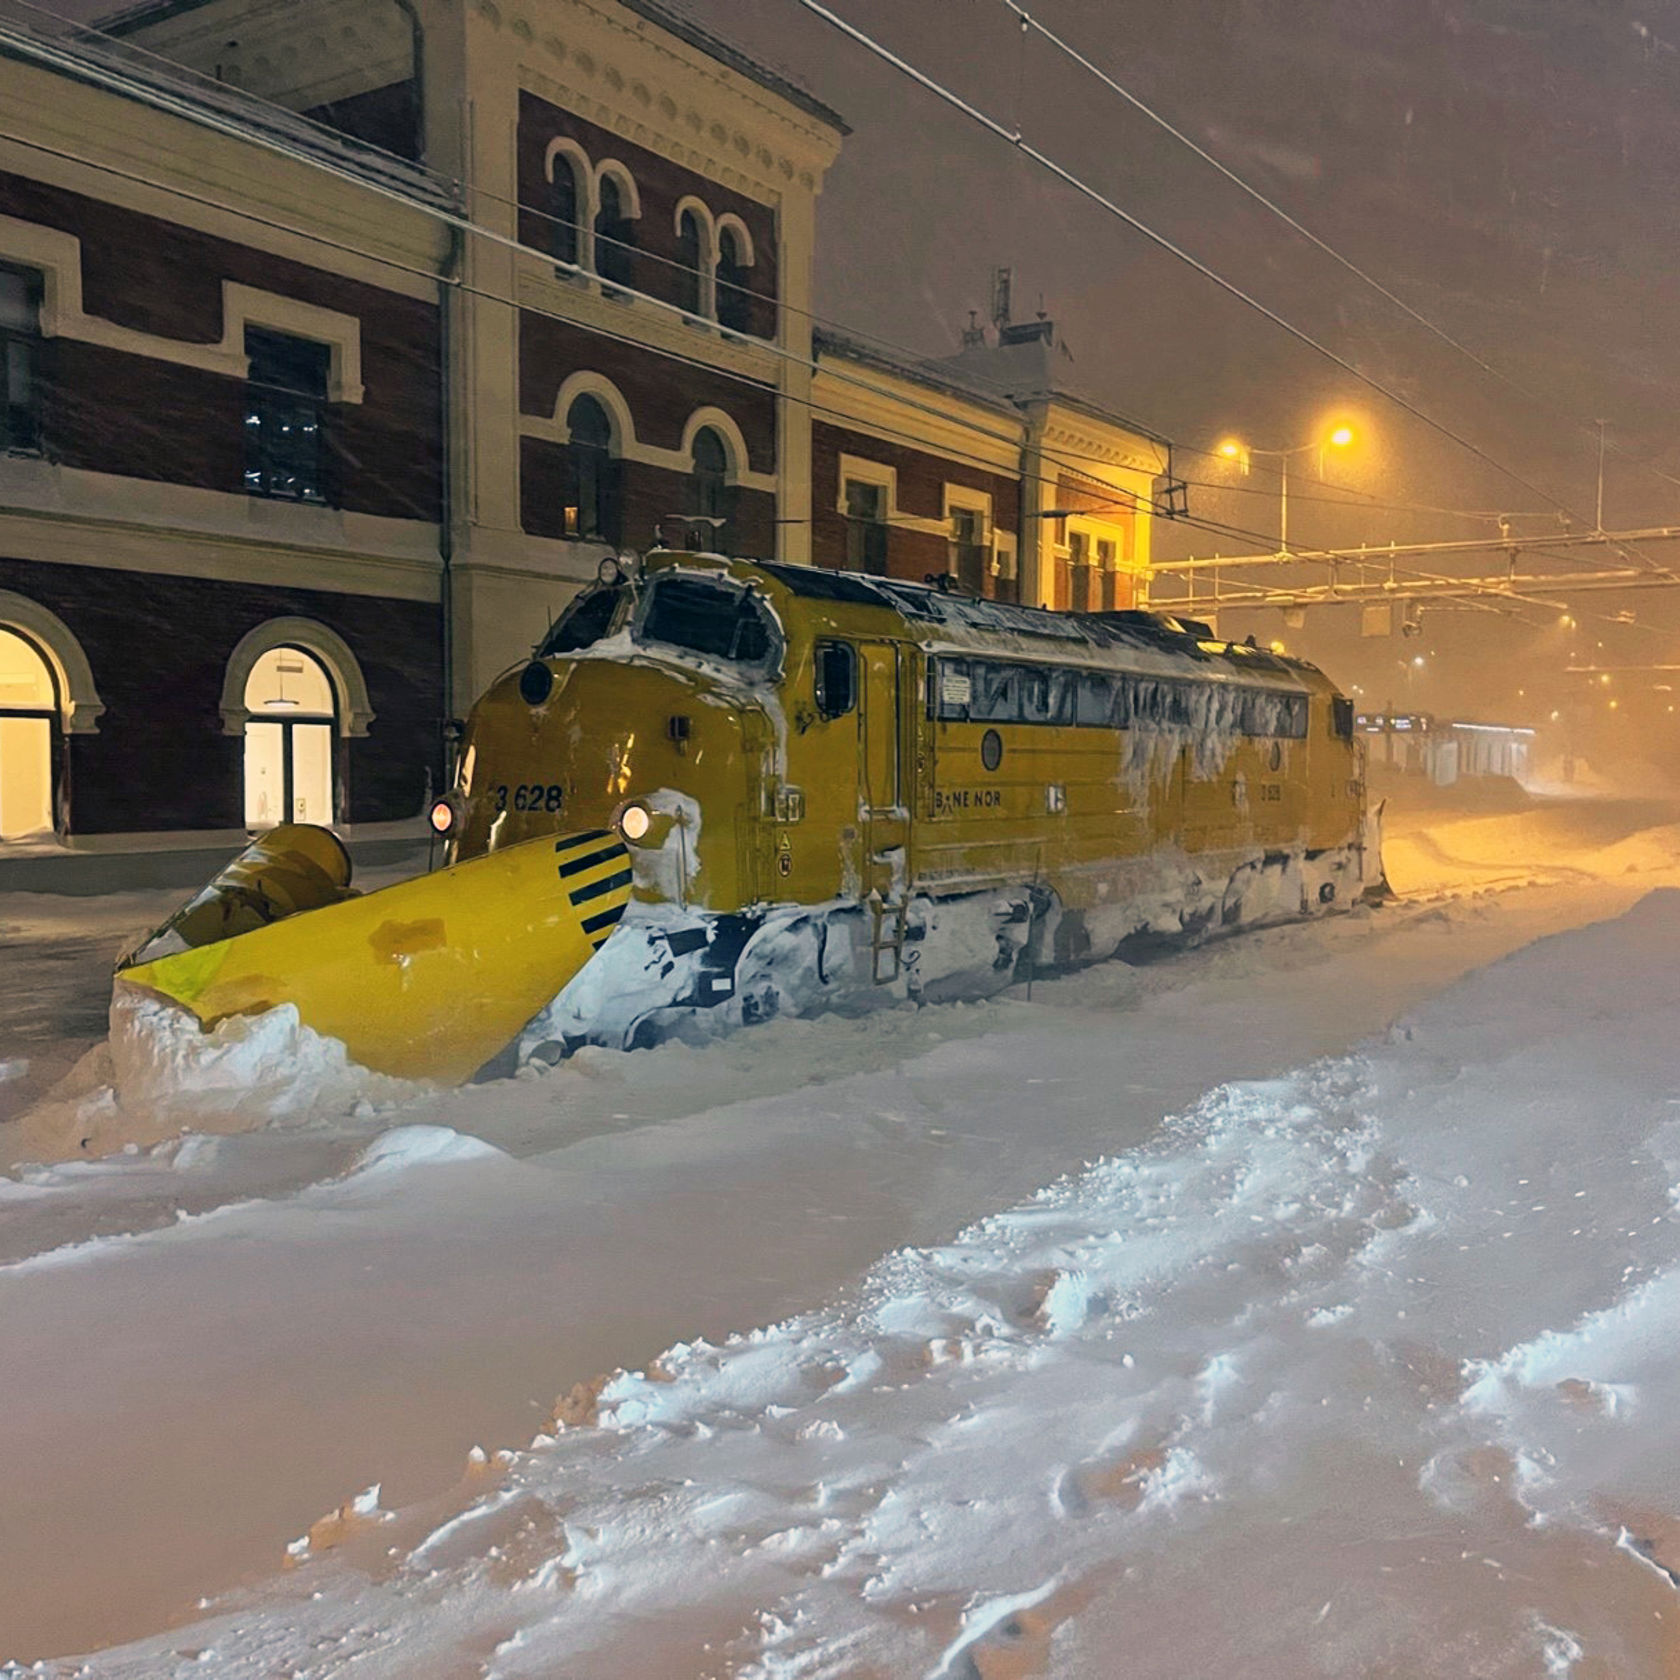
x,y
343,337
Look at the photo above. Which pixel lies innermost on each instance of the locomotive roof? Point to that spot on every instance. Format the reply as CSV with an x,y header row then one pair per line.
x,y
962,623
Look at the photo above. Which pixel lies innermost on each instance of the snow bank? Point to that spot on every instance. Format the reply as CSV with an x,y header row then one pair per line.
x,y
161,1074
1364,1369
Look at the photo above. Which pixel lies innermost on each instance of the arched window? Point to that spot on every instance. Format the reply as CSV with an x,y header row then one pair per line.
x,y
589,485
292,717
615,233
711,496
28,707
563,202
734,303
691,255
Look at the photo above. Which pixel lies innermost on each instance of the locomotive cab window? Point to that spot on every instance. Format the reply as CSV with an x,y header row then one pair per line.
x,y
584,622
706,616
836,678
1341,717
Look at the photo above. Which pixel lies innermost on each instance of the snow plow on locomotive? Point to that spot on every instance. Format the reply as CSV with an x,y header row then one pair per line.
x,y
839,789
723,790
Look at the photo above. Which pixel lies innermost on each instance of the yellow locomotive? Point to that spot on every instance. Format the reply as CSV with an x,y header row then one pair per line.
x,y
838,788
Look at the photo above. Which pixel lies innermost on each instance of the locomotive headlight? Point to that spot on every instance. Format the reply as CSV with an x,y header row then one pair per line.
x,y
441,816
633,821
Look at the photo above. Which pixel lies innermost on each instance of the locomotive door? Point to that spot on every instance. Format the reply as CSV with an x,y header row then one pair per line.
x,y
883,792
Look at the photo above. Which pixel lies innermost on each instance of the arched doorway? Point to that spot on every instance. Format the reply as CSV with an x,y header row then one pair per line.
x,y
28,711
292,714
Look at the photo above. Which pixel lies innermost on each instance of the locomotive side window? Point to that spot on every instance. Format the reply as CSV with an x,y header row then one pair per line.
x,y
1341,717
1094,700
993,691
719,620
584,622
996,696
836,678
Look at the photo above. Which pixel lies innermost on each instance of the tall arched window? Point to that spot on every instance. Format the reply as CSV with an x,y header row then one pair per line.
x,y
615,234
734,304
710,494
563,201
691,255
28,708
289,740
589,486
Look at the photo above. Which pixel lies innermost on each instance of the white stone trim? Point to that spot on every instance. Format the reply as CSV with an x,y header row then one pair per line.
x,y
583,180
58,257
344,671
864,471
1005,554
967,497
896,410
587,383
627,446
79,705
729,222
734,443
620,172
244,306
689,204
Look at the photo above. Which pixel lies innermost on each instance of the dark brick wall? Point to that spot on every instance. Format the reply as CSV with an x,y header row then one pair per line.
x,y
922,478
661,185
662,395
649,495
159,648
109,411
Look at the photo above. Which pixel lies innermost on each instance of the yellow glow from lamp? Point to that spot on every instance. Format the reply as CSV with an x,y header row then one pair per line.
x,y
1341,437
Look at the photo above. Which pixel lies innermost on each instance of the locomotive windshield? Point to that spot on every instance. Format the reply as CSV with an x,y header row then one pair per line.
x,y
706,616
585,621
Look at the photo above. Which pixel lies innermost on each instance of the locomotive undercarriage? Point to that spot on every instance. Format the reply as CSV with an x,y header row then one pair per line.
x,y
690,975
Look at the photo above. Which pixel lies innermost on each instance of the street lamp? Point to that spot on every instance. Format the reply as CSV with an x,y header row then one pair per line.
x,y
1234,449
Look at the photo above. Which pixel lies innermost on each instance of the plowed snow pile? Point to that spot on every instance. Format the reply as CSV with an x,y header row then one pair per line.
x,y
160,1074
1368,1369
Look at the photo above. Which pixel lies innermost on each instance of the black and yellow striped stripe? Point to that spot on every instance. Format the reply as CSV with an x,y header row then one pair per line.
x,y
595,869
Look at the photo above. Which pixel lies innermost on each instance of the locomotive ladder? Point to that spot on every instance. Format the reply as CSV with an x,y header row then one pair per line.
x,y
882,941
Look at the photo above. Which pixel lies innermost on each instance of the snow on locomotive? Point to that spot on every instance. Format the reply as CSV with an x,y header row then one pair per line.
x,y
840,789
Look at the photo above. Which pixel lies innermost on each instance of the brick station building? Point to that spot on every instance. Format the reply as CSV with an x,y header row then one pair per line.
x,y
341,340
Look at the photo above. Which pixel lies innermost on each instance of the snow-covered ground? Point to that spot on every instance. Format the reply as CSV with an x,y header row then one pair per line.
x,y
1319,1354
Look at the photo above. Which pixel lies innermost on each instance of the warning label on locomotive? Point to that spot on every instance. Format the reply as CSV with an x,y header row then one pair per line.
x,y
949,800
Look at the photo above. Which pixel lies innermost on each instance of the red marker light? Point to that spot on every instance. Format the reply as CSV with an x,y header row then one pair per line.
x,y
441,816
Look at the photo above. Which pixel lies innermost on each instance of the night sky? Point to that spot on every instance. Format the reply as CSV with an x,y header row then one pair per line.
x,y
1511,168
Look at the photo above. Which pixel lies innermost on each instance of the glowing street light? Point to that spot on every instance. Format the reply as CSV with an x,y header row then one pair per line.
x,y
1234,449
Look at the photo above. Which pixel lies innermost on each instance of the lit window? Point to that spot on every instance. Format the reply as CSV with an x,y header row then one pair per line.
x,y
288,740
589,484
20,353
285,416
28,711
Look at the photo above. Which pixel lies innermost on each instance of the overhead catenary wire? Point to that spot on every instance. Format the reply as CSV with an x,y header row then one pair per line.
x,y
914,359
1031,21
1160,240
1070,463
462,224
1131,500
